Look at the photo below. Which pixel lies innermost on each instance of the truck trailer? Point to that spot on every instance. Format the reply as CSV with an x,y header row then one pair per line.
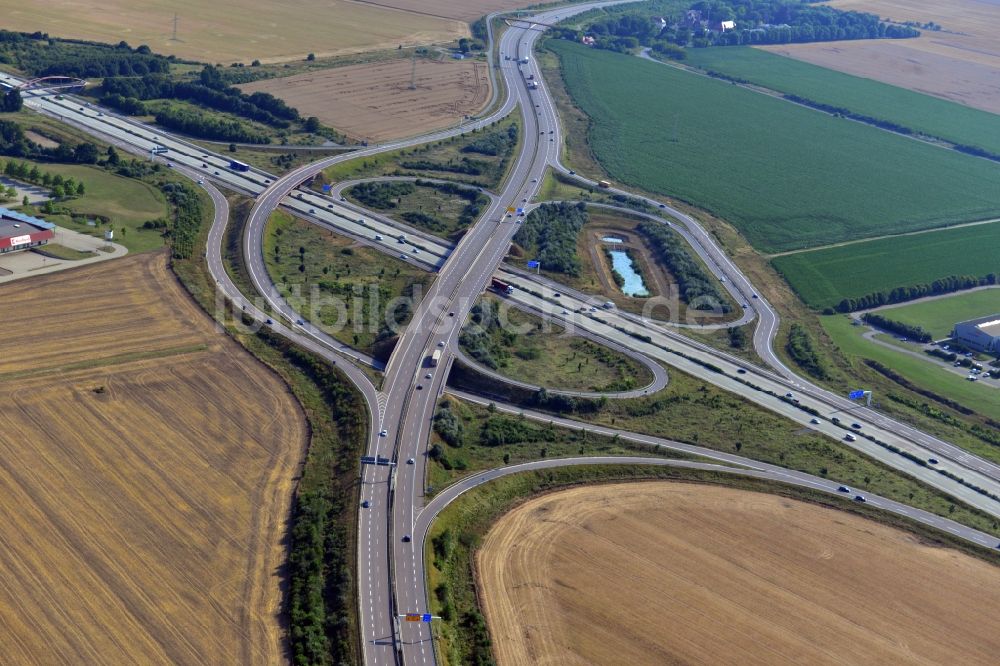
x,y
435,358
236,165
501,287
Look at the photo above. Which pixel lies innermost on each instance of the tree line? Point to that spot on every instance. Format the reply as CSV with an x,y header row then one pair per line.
x,y
60,186
944,285
218,129
40,55
901,328
550,232
694,283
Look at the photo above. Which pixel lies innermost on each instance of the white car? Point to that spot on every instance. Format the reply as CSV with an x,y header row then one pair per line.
x,y
383,433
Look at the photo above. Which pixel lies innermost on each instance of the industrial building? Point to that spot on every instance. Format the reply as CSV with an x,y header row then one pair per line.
x,y
22,232
981,334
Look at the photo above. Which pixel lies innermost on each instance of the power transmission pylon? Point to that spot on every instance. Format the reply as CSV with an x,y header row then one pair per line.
x,y
413,71
173,37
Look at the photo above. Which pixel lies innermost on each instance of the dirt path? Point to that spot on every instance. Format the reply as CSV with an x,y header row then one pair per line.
x,y
670,573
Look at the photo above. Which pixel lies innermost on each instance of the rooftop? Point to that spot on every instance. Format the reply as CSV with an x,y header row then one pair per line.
x,y
989,324
13,223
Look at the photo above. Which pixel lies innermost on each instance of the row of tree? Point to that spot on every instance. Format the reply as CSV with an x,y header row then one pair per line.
x,y
29,173
550,233
694,283
917,333
945,285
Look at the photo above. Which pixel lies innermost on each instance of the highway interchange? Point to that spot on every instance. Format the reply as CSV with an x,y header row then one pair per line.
x,y
390,569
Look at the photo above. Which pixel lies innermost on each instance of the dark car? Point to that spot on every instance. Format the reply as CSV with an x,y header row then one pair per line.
x,y
932,461
844,489
860,498
741,371
366,504
856,426
406,538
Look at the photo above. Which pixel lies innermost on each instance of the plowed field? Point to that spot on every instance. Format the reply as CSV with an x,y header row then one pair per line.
x,y
146,470
669,573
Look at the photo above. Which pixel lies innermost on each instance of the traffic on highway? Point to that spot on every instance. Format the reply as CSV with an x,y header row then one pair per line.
x,y
396,512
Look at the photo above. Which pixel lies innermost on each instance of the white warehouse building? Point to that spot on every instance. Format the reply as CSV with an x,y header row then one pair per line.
x,y
982,334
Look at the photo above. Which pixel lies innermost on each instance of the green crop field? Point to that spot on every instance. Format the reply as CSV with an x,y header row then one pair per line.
x,y
922,113
822,278
940,315
788,177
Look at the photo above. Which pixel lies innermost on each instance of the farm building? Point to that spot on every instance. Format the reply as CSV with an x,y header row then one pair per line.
x,y
982,334
21,232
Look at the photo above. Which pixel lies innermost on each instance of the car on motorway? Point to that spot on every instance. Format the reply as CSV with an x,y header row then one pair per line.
x,y
428,376
741,371
406,538
534,180
565,312
572,173
415,251
312,210
755,295
814,421
299,322
850,438
201,181
270,321
663,205
365,504
420,387
343,199
204,166
789,395
329,205
451,314
524,201
856,426
216,173
378,237
409,461
383,433
557,295
843,489
932,461
403,256
835,419
170,164
441,344
860,498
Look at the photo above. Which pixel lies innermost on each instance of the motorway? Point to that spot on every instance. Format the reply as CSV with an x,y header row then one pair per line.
x,y
390,570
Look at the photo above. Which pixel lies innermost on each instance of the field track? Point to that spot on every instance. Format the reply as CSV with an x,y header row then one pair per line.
x,y
144,496
673,573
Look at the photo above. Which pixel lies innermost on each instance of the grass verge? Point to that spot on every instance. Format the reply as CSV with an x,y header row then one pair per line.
x,y
693,412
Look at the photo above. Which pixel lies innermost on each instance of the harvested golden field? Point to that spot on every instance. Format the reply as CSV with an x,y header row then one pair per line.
x,y
960,63
375,102
233,31
462,10
672,573
144,497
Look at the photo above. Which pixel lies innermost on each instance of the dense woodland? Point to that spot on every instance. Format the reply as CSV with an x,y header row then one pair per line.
x,y
37,54
550,233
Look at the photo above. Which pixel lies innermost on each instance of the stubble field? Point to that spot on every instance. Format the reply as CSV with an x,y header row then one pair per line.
x,y
663,573
960,63
232,31
462,10
146,475
375,101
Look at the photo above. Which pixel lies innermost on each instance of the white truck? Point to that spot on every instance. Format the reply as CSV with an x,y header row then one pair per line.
x,y
435,358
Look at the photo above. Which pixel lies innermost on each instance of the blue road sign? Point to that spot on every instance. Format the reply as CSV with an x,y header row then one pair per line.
x,y
426,617
326,188
533,264
520,211
854,395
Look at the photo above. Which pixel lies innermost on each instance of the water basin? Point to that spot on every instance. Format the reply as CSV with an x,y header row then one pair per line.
x,y
622,264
